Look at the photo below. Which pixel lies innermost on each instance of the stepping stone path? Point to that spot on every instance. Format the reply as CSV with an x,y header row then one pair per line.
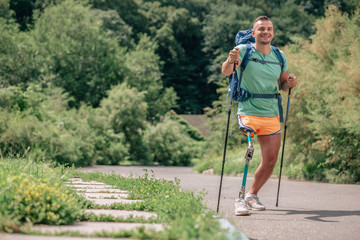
x,y
102,194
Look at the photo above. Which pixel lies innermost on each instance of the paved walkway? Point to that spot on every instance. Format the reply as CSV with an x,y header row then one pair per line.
x,y
306,210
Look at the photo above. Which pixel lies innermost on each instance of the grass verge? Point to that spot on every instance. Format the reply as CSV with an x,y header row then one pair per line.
x,y
182,213
34,192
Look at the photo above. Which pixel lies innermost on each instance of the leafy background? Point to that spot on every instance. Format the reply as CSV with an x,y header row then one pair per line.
x,y
101,82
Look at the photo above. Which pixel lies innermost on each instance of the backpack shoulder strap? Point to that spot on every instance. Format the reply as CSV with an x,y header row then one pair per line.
x,y
278,54
246,57
281,60
244,62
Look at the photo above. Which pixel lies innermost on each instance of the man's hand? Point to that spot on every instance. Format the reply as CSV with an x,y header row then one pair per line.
x,y
291,80
234,56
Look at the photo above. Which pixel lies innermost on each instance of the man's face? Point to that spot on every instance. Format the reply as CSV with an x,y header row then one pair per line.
x,y
263,31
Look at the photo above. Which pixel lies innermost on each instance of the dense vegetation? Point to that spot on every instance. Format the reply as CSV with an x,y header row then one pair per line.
x,y
90,81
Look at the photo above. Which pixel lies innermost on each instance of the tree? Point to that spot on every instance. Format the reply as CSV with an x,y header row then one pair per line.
x,y
18,56
290,24
180,41
128,10
5,11
145,76
77,54
220,27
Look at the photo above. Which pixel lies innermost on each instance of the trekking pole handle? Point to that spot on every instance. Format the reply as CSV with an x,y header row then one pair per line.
x,y
234,69
287,108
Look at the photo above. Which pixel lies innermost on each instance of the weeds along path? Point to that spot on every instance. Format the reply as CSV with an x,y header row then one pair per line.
x,y
103,196
112,206
306,210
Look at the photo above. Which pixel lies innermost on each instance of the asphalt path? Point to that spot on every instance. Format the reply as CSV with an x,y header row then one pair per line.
x,y
306,210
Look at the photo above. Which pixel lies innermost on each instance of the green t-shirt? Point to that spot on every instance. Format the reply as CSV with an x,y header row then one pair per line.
x,y
262,79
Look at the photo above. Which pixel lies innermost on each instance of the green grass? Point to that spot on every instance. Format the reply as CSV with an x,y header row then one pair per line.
x,y
235,161
183,212
34,192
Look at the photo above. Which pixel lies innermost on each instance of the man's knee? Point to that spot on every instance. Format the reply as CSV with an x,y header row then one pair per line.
x,y
269,161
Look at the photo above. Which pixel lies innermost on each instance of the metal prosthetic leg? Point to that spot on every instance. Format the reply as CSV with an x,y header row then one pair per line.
x,y
248,157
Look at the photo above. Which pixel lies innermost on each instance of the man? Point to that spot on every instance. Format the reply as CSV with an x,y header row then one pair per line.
x,y
260,115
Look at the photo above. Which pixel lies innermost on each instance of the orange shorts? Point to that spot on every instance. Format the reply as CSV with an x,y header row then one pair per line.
x,y
263,126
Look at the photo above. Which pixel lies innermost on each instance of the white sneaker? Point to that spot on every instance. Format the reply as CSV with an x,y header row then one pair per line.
x,y
253,202
240,207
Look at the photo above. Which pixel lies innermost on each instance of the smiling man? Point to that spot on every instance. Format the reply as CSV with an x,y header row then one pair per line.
x,y
260,115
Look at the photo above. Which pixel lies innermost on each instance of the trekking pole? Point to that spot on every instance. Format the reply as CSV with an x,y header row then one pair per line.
x,y
226,139
283,147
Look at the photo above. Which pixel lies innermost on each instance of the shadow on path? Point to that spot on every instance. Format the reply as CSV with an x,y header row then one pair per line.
x,y
318,215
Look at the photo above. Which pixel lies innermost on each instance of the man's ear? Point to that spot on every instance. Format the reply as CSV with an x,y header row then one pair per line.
x,y
252,33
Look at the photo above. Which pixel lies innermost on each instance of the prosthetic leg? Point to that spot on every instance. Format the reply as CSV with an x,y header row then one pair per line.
x,y
248,157
241,207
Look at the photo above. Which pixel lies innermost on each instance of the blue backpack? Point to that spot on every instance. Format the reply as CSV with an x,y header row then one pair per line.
x,y
235,91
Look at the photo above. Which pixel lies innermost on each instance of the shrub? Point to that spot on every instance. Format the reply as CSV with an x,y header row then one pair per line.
x,y
123,113
34,193
170,144
40,201
38,118
325,105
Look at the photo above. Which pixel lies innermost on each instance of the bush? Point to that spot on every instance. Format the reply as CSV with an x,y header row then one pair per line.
x,y
325,106
110,147
42,124
123,113
169,144
34,193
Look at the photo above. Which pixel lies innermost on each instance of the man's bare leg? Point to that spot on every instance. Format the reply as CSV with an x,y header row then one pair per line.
x,y
270,146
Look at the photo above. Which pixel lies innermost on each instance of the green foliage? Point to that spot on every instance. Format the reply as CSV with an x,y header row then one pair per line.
x,y
180,42
18,63
145,76
124,110
326,103
77,52
34,193
290,24
169,144
5,11
193,132
40,123
128,10
318,7
116,26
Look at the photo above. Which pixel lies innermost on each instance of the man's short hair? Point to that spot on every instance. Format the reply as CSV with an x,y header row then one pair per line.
x,y
262,18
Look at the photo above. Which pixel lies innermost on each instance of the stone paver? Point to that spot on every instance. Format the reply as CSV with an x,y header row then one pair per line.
x,y
91,186
103,198
111,201
104,195
96,227
100,190
84,183
16,236
122,213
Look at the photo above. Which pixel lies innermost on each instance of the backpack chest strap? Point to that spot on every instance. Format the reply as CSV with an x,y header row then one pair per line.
x,y
259,95
263,61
